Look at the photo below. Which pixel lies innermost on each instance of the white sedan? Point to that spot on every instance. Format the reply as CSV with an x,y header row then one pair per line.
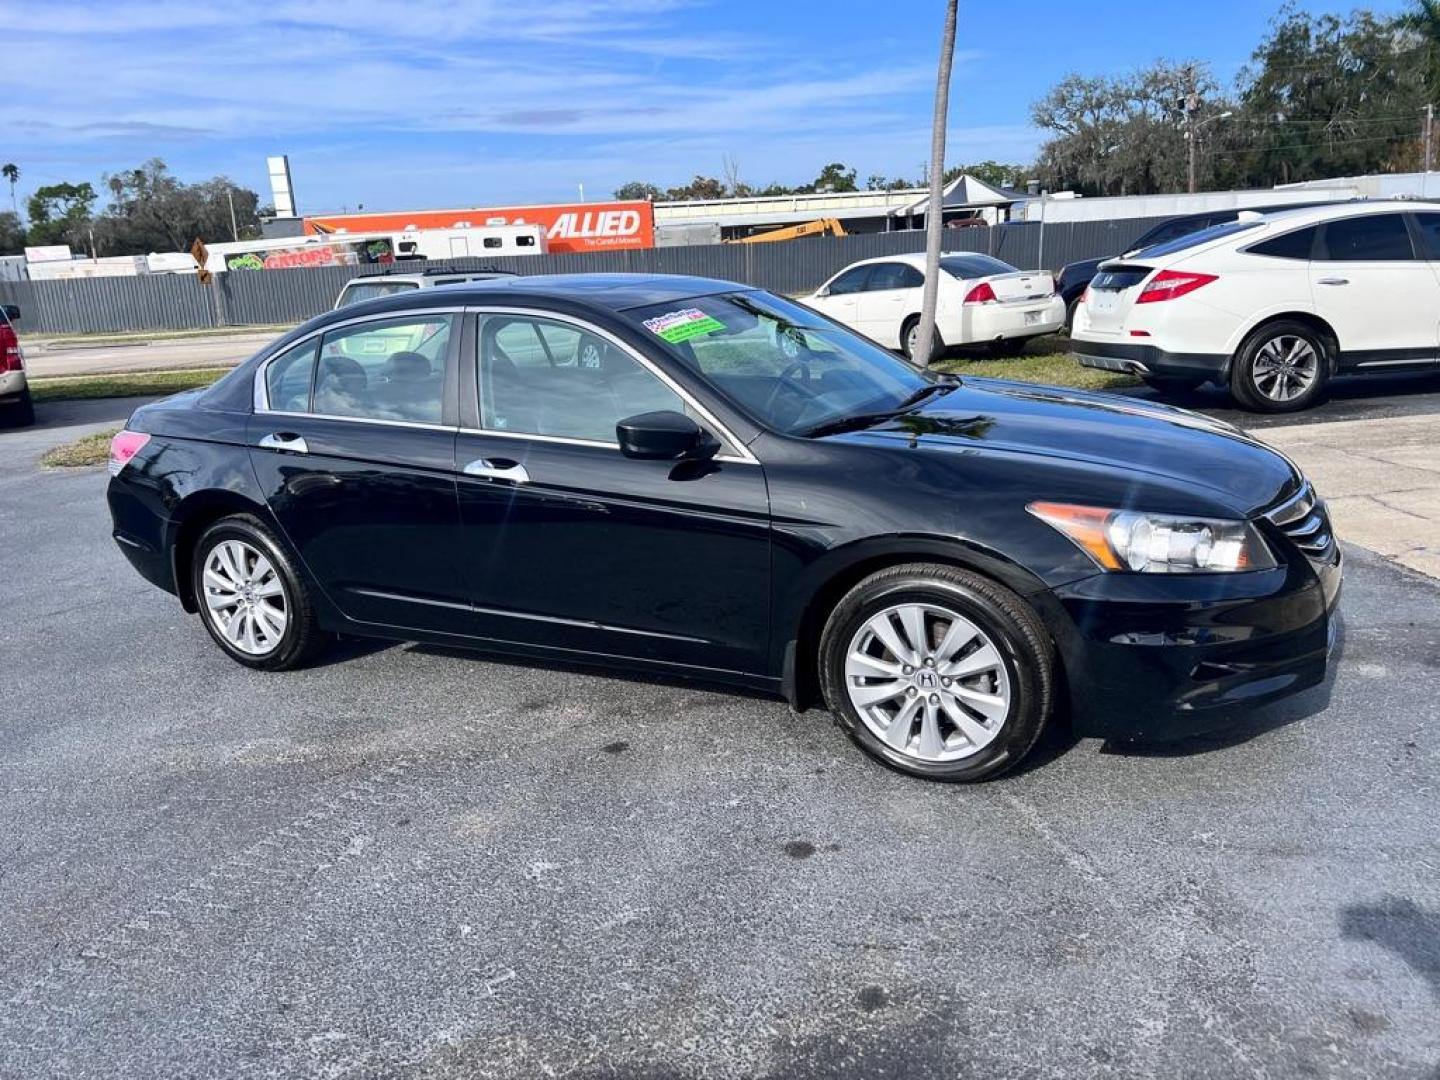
x,y
981,300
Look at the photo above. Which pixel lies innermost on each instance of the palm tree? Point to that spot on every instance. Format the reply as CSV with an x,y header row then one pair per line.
x,y
935,211
10,171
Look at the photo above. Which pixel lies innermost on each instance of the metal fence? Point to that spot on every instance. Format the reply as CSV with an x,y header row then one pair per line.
x,y
244,298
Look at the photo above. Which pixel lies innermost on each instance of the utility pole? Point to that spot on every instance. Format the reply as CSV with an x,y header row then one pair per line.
x,y
1429,136
1192,106
230,196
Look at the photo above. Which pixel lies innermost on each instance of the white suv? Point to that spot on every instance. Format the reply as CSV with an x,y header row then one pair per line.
x,y
390,282
1273,305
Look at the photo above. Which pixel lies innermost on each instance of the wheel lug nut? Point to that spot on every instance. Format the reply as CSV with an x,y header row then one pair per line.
x,y
911,692
934,699
908,670
929,661
945,680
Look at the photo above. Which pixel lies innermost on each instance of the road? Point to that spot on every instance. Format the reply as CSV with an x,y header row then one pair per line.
x,y
88,358
412,863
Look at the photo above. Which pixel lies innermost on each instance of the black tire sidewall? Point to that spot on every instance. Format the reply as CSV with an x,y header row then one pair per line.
x,y
906,329
297,641
1242,376
1028,683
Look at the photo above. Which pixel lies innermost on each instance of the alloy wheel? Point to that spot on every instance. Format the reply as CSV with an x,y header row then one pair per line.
x,y
1285,367
927,682
245,598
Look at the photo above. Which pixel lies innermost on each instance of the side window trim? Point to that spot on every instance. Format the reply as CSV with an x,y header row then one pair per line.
x,y
260,390
742,454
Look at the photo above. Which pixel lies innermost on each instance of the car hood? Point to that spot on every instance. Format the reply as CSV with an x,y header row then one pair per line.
x,y
1112,432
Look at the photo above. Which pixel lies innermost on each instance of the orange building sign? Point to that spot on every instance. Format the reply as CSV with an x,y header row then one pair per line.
x,y
568,227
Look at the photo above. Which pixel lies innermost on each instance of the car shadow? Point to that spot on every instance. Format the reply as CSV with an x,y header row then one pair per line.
x,y
1405,929
1243,728
596,670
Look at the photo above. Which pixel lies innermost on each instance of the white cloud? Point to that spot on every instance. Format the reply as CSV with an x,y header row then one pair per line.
x,y
618,88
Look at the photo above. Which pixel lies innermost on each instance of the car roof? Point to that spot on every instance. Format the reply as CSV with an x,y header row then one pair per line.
x,y
611,292
913,258
421,276
1289,215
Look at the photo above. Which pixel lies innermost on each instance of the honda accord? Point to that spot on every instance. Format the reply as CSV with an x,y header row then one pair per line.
x,y
693,477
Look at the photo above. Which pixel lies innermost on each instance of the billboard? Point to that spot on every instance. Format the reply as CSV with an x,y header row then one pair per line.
x,y
569,227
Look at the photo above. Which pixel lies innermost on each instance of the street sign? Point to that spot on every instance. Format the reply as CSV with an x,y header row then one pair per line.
x,y
201,254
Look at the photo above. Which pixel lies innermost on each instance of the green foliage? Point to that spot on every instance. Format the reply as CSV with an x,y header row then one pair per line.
x,y
638,189
60,214
12,234
151,210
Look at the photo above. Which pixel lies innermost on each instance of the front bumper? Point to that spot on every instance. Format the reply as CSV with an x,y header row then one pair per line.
x,y
1148,360
1167,656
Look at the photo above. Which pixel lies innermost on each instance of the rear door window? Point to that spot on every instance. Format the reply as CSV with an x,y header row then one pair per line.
x,y
894,276
1292,245
1371,238
392,370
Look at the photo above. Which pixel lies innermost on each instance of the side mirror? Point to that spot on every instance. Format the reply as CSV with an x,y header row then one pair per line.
x,y
665,436
824,290
12,312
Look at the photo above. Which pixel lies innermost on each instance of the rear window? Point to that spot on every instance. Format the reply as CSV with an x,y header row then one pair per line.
x,y
1195,239
1292,245
973,266
373,290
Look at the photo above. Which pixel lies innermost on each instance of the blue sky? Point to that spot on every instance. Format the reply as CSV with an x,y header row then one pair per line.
x,y
399,104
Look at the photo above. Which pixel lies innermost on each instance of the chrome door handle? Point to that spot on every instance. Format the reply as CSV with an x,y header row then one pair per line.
x,y
498,469
1333,281
284,440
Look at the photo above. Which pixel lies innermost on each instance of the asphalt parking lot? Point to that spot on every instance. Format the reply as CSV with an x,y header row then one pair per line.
x,y
413,863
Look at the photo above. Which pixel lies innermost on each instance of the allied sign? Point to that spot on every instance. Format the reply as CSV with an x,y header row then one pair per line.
x,y
569,227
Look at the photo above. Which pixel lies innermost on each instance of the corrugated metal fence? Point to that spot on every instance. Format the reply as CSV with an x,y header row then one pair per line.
x,y
239,298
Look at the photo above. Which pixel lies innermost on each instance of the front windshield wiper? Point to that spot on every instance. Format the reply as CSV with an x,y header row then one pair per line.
x,y
857,421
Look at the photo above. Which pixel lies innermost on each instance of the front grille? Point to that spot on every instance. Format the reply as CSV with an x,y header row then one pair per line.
x,y
1304,520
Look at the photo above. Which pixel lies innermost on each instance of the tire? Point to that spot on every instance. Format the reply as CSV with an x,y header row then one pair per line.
x,y
233,541
1172,386
21,414
946,736
907,329
1266,367
1070,310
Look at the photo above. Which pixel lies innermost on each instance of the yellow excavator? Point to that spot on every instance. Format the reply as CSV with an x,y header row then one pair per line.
x,y
821,227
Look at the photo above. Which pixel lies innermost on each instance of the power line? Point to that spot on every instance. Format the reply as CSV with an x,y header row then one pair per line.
x,y
1316,145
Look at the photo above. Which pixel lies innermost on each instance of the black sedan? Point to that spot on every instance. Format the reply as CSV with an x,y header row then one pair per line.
x,y
693,477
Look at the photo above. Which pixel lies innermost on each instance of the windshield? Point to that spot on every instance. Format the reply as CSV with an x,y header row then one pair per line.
x,y
373,290
791,369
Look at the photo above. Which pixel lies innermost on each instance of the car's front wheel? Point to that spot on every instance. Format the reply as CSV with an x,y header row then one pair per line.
x,y
910,341
938,672
1282,367
251,600
20,414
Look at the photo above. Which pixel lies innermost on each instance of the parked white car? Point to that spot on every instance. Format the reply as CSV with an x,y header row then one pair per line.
x,y
981,300
1273,305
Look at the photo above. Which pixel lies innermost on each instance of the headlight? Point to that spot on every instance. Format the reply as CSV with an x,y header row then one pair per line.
x,y
1158,543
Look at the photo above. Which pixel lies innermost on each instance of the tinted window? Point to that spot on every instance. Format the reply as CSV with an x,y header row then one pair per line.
x,y
973,266
524,241
894,276
787,366
1372,238
539,377
1174,229
1291,245
1430,231
373,290
384,371
1204,236
851,281
287,379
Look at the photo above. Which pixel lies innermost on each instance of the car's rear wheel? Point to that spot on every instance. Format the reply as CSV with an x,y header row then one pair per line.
x,y
19,414
909,341
1007,346
251,600
937,672
1282,367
